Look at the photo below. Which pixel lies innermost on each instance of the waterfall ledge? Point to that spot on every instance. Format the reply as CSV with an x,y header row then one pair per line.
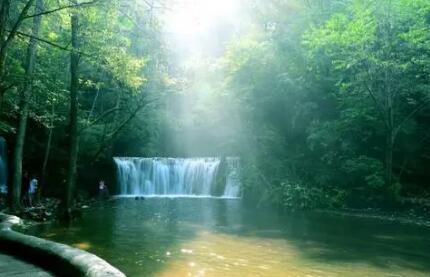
x,y
178,177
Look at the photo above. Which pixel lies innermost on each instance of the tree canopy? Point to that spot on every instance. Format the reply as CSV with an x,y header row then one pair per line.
x,y
325,102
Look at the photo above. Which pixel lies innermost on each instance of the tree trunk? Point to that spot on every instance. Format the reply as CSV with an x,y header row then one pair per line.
x,y
115,119
47,152
389,138
389,147
6,37
4,16
24,108
73,135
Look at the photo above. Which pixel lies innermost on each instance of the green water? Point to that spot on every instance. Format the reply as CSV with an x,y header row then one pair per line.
x,y
218,237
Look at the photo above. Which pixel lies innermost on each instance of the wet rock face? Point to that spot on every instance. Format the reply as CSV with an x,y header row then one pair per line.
x,y
58,258
7,221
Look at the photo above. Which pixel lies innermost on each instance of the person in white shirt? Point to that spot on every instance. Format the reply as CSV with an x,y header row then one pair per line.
x,y
32,190
103,190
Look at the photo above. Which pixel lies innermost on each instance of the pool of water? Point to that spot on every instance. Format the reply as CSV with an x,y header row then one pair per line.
x,y
222,237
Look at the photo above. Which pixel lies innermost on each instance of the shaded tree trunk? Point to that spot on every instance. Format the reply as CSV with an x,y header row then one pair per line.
x,y
73,127
389,135
25,95
6,37
47,152
4,16
389,148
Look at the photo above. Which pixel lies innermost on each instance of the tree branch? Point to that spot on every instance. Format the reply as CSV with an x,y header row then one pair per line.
x,y
100,117
18,22
379,106
43,40
410,115
409,156
65,48
124,123
152,6
62,8
4,89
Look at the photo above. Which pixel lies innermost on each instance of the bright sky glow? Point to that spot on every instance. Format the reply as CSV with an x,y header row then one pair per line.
x,y
197,16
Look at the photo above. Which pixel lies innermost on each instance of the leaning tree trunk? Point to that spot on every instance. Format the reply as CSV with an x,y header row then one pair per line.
x,y
73,133
24,108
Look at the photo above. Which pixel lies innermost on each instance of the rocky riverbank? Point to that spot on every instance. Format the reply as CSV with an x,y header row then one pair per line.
x,y
60,259
411,211
46,209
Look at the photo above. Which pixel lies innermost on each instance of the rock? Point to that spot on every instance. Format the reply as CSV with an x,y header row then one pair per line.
x,y
60,259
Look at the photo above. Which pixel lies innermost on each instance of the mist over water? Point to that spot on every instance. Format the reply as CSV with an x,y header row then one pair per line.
x,y
177,176
200,118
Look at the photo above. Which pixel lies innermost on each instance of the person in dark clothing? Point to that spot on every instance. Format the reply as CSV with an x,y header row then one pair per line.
x,y
24,187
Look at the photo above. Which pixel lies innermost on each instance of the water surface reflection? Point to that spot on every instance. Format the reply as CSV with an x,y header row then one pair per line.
x,y
219,237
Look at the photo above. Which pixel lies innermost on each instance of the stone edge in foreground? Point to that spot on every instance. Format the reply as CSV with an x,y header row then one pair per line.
x,y
58,258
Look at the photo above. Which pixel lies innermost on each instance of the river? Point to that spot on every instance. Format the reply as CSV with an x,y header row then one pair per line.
x,y
224,237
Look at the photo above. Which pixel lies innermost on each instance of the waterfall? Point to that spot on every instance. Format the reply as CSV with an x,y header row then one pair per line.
x,y
174,176
3,168
232,186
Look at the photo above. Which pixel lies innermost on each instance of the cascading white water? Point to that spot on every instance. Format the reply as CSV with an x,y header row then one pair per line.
x,y
232,181
3,169
173,176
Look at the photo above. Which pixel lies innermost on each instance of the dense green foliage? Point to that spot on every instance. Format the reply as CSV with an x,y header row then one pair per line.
x,y
337,96
120,71
326,102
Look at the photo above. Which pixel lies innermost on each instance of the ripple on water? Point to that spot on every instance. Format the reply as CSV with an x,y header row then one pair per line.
x,y
214,237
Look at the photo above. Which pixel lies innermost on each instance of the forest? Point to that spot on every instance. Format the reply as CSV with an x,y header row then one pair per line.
x,y
325,102
215,138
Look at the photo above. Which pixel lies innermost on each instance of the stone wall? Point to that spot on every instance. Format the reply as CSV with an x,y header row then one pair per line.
x,y
60,259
